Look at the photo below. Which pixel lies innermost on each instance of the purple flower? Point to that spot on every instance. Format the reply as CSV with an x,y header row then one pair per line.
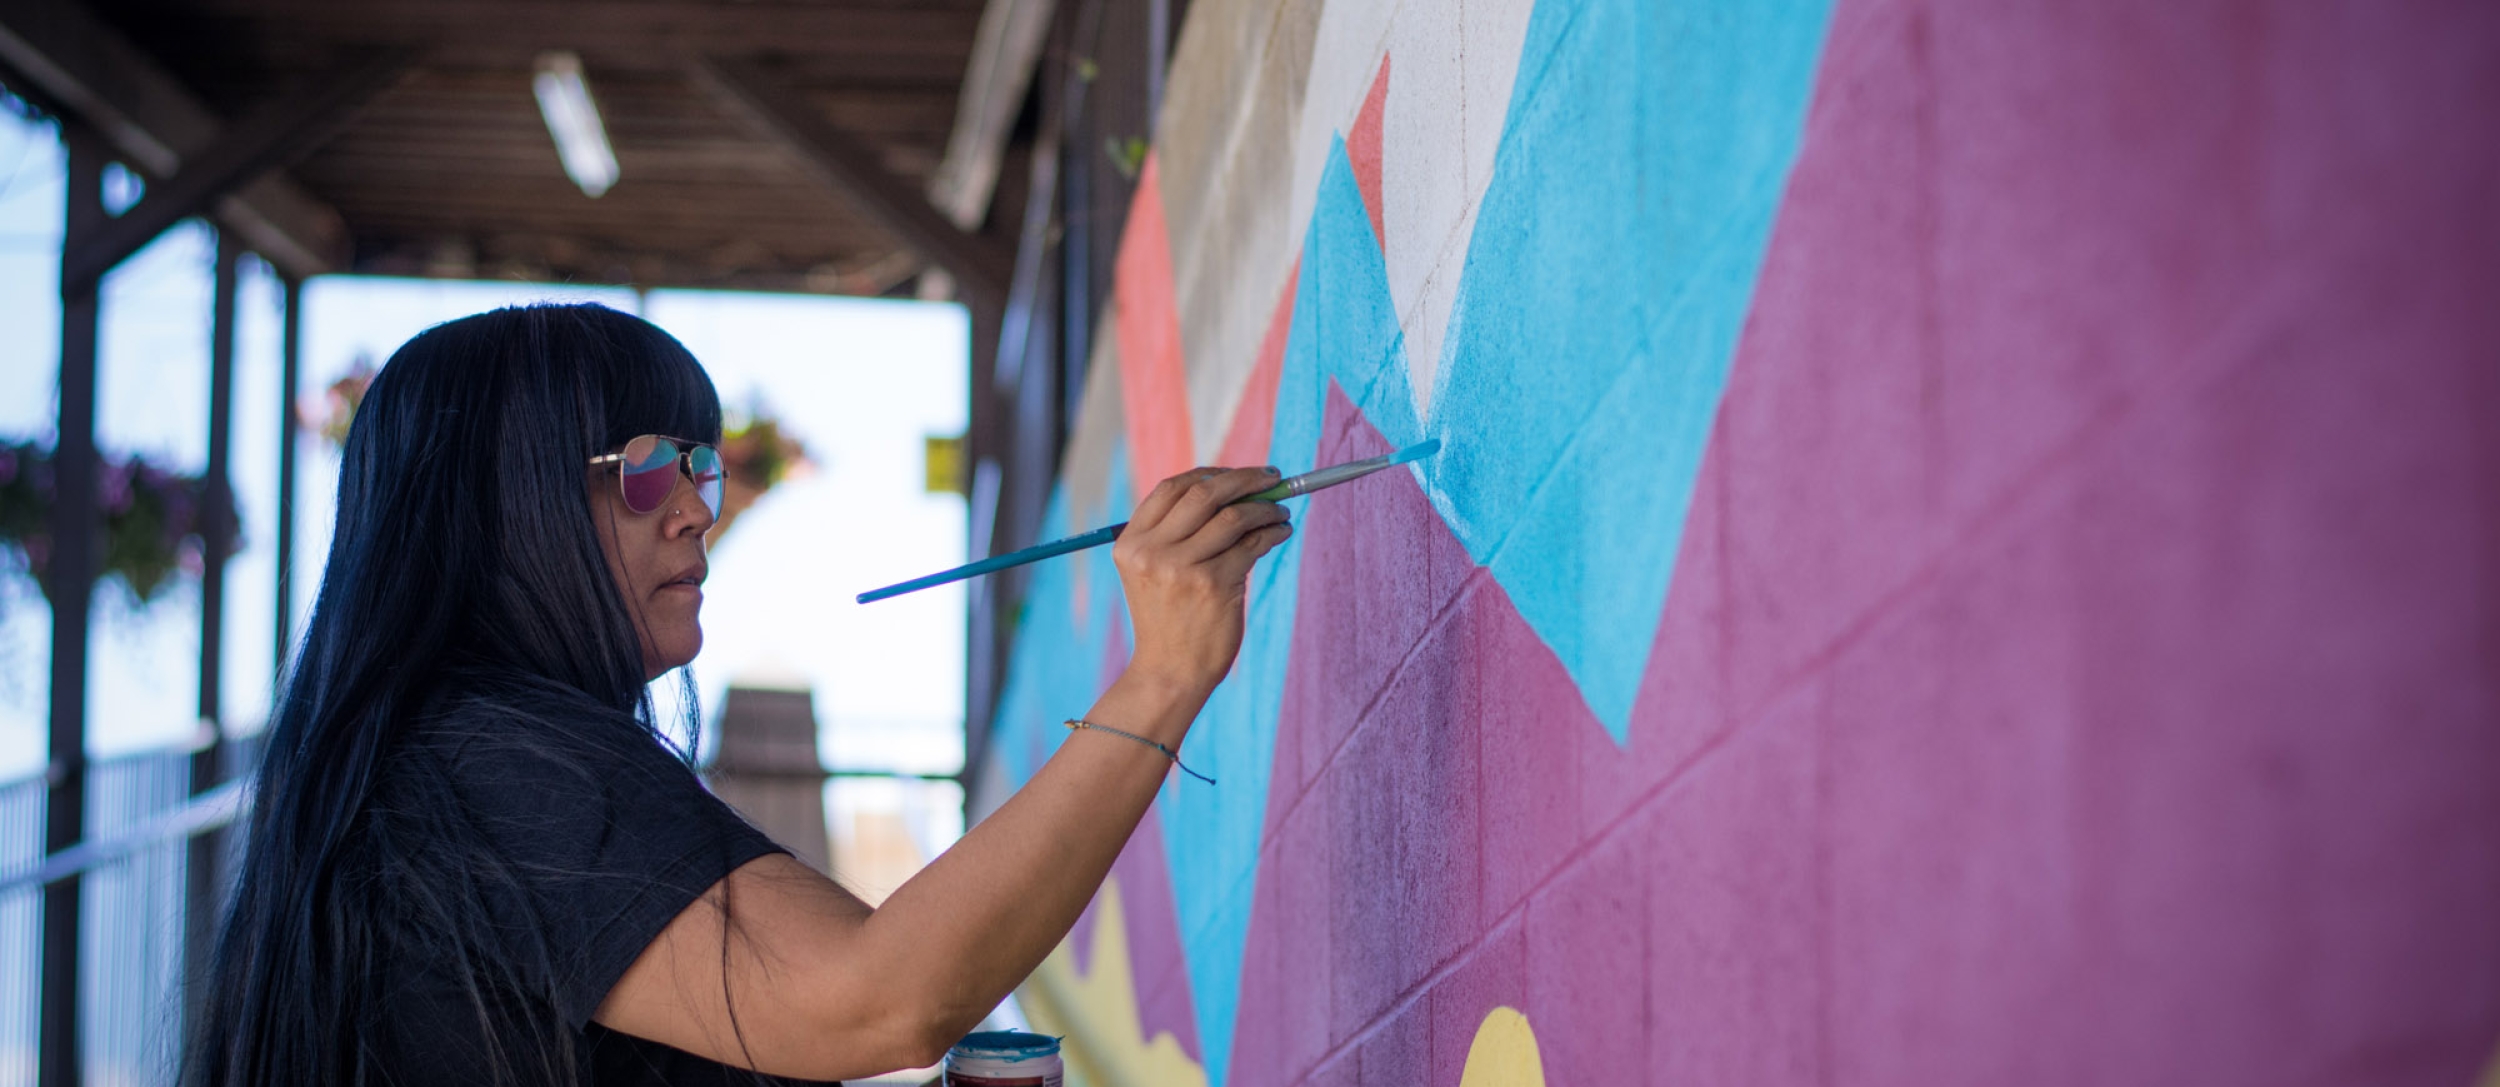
x,y
113,487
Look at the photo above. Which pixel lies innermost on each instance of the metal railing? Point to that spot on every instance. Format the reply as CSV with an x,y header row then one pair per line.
x,y
134,869
21,931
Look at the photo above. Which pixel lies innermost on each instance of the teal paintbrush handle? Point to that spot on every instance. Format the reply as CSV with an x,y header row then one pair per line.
x,y
996,563
1292,488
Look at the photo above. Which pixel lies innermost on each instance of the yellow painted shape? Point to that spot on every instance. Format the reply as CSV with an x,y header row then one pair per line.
x,y
1504,1053
1095,1009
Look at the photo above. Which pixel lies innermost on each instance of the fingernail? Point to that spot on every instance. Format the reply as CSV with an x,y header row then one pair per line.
x,y
1272,470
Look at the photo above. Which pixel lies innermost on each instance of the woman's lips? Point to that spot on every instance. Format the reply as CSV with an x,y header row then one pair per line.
x,y
690,580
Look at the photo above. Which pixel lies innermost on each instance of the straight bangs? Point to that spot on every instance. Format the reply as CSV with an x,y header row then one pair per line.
x,y
653,384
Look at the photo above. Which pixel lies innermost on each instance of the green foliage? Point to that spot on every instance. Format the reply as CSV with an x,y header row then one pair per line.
x,y
757,454
154,519
755,451
1128,154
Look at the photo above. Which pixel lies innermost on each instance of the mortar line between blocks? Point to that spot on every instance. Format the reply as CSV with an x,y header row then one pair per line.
x,y
2004,511
1440,616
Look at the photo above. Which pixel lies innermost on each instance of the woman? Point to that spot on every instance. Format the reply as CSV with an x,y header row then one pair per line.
x,y
473,860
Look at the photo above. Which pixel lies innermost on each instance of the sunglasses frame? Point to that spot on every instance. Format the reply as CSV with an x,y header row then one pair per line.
x,y
685,470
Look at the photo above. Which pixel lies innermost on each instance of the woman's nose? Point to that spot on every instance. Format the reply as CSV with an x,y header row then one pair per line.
x,y
687,510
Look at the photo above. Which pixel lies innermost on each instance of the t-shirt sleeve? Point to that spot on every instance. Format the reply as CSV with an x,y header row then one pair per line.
x,y
603,841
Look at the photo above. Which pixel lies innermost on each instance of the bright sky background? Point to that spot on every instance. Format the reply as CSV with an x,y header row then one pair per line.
x,y
860,382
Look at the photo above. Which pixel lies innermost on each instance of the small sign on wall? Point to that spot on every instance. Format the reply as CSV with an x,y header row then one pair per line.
x,y
945,457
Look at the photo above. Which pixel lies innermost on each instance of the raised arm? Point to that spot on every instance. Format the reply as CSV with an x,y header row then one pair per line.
x,y
823,987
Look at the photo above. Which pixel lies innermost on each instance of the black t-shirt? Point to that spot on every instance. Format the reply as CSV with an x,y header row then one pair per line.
x,y
568,847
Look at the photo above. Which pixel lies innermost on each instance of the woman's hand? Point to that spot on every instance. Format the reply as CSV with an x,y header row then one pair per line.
x,y
1185,562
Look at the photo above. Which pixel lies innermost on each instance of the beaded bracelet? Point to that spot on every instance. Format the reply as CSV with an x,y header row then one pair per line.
x,y
1075,723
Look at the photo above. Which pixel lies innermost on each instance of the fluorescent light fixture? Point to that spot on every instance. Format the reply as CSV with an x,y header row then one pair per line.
x,y
573,119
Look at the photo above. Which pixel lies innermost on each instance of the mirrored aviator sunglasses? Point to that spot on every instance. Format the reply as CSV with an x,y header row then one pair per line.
x,y
648,467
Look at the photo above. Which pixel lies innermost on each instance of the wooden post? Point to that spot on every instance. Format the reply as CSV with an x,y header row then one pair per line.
x,y
69,581
290,430
983,436
216,546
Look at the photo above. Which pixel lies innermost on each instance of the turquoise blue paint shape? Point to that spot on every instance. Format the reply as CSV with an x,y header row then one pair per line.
x,y
1611,268
1613,261
1060,640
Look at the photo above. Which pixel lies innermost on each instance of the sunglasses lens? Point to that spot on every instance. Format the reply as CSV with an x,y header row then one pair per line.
x,y
707,477
650,472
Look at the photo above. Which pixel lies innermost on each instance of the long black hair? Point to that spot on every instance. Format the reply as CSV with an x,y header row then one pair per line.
x,y
465,567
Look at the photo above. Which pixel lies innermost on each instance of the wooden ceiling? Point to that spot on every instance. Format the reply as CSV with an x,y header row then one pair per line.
x,y
451,171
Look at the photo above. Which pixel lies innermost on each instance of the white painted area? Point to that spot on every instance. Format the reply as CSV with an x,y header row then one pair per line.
x,y
1490,33
1436,159
1345,52
1426,202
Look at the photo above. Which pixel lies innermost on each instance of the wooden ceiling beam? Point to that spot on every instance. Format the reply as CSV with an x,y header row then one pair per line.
x,y
621,27
981,267
242,154
73,62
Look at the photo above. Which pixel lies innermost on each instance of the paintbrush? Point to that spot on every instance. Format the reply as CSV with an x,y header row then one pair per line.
x,y
1295,487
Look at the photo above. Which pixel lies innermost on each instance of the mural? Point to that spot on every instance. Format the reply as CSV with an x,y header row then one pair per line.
x,y
1924,583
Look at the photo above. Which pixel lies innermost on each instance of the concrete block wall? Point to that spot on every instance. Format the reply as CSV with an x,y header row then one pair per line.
x,y
1967,548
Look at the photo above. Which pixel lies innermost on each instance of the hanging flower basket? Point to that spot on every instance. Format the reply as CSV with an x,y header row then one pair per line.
x,y
758,456
154,519
344,396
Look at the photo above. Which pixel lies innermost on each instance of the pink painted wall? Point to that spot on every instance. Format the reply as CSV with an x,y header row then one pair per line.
x,y
2082,659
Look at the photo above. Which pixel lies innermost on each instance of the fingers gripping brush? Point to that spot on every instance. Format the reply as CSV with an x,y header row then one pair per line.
x,y
1300,485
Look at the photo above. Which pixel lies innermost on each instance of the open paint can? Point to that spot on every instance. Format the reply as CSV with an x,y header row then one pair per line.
x,y
1004,1058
